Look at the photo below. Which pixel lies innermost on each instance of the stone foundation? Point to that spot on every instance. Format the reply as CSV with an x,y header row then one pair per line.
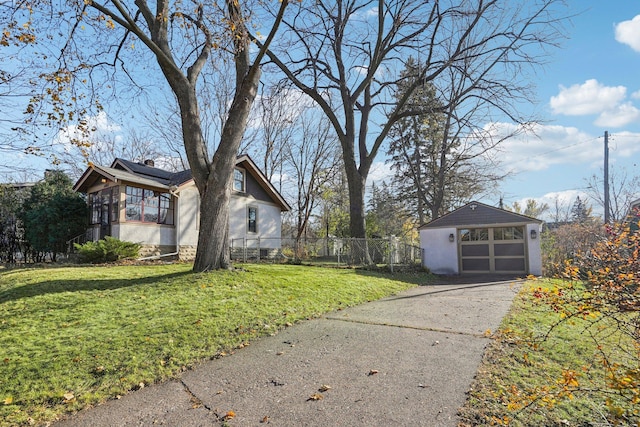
x,y
187,253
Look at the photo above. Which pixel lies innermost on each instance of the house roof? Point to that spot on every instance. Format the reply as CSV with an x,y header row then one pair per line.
x,y
246,162
122,170
478,214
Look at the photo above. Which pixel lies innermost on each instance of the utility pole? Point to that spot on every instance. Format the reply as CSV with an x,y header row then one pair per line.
x,y
606,177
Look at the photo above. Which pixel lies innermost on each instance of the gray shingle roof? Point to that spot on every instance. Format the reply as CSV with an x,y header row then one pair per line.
x,y
477,214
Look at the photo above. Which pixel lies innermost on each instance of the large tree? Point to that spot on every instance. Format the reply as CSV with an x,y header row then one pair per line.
x,y
439,162
347,54
182,39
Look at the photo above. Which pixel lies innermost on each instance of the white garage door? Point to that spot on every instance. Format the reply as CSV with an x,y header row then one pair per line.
x,y
492,250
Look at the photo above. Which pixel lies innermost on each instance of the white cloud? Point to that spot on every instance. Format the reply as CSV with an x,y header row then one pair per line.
x,y
542,146
628,32
380,171
286,106
99,125
635,95
559,202
590,97
618,116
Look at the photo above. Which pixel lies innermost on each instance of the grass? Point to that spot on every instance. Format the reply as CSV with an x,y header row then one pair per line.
x,y
532,377
73,337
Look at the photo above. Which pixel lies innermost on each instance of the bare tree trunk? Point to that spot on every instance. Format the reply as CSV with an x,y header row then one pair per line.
x,y
356,184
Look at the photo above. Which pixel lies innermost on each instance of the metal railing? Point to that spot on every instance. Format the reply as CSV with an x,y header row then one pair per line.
x,y
81,239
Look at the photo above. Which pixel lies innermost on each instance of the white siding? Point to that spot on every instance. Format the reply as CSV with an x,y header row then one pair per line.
x,y
148,234
187,206
269,223
534,252
440,254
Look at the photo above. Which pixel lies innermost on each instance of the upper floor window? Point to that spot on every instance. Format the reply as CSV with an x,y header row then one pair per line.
x,y
238,180
148,206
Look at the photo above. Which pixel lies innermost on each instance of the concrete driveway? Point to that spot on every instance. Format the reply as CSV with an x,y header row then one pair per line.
x,y
406,360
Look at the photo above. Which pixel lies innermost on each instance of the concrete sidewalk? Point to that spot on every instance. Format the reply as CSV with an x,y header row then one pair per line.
x,y
407,360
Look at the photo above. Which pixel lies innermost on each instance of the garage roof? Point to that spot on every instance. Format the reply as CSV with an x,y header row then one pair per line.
x,y
477,214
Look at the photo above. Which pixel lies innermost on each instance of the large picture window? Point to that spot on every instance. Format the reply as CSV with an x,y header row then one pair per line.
x,y
148,206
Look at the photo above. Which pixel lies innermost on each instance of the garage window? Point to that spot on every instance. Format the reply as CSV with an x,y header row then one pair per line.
x,y
508,233
474,234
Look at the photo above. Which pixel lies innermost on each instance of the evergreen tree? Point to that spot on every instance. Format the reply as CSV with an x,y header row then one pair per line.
x,y
580,212
53,214
433,170
11,230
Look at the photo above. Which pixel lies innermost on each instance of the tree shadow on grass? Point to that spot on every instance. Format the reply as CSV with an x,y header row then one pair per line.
x,y
70,285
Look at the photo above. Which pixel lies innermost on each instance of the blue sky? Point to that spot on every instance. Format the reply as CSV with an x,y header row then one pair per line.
x,y
591,84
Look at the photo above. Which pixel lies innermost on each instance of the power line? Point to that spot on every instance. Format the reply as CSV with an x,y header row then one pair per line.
x,y
557,149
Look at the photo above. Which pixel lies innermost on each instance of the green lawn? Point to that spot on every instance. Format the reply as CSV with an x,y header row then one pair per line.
x,y
530,379
71,337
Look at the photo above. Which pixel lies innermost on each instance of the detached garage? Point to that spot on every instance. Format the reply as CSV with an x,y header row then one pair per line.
x,y
478,238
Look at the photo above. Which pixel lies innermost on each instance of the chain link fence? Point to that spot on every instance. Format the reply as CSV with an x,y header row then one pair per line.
x,y
355,252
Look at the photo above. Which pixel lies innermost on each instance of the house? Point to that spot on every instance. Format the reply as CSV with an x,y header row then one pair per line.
x,y
478,238
140,203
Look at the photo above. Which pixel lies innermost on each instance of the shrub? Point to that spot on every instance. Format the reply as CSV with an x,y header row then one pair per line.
x,y
563,244
602,300
109,249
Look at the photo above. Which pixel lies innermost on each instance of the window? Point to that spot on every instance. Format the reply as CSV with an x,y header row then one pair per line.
x,y
252,219
133,204
115,201
508,233
151,206
95,206
148,206
166,209
238,180
474,234
104,206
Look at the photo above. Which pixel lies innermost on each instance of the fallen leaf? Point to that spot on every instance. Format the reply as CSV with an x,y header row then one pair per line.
x,y
316,396
373,372
324,388
264,420
68,397
229,415
8,400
